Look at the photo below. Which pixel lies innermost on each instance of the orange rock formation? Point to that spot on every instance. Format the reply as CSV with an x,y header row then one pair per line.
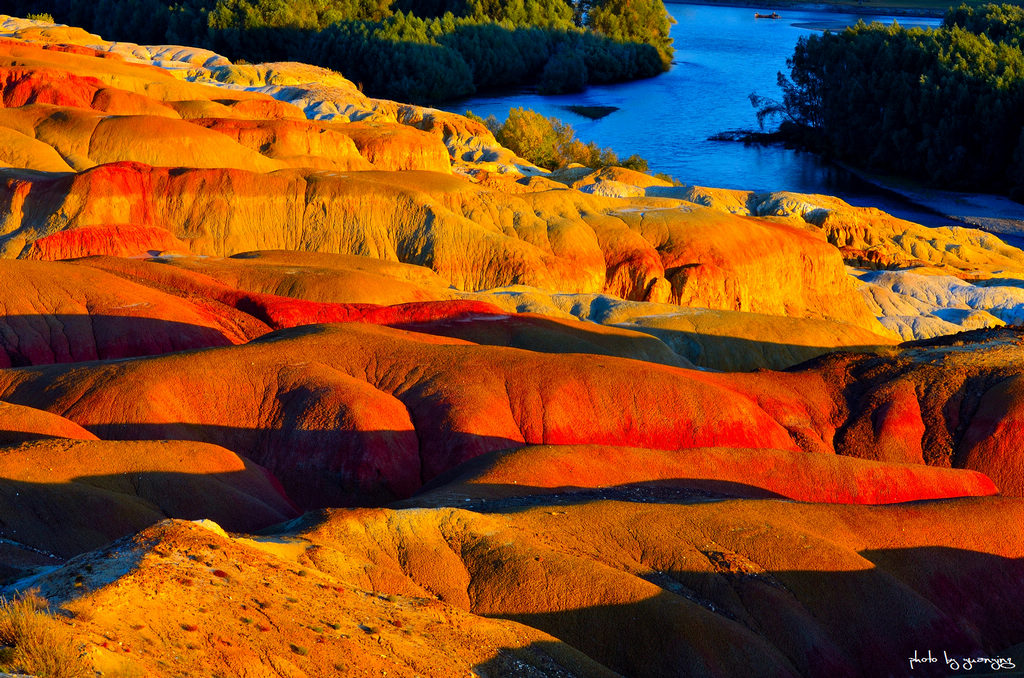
x,y
231,293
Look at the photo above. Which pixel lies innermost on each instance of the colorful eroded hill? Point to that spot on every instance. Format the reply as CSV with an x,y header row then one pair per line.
x,y
465,416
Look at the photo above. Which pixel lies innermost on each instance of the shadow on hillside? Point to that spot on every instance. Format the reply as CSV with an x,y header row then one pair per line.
x,y
687,604
67,518
29,340
863,622
46,339
328,466
742,354
497,498
542,659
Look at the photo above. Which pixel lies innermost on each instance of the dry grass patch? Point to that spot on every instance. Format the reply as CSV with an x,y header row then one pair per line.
x,y
33,642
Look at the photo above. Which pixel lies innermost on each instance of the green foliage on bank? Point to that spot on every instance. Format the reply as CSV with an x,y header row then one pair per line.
x,y
551,143
942,105
420,51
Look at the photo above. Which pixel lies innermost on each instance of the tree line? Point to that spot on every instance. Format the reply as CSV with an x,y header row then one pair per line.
x,y
420,51
942,105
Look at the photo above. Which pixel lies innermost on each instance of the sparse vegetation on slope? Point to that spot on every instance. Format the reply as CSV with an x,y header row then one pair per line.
x,y
32,642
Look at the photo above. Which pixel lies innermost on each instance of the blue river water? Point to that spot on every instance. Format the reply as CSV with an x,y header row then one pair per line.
x,y
722,54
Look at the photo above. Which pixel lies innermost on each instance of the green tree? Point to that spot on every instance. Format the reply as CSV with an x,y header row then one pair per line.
x,y
645,21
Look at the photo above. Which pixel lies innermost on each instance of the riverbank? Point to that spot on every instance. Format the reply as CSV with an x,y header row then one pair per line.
x,y
993,213
915,8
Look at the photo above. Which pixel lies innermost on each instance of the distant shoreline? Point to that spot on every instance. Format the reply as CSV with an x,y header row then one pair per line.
x,y
990,212
936,10
994,213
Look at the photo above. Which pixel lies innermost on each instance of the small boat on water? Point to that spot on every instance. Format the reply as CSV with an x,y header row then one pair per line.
x,y
773,15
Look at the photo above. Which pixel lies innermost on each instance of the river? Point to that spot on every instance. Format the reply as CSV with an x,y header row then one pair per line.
x,y
722,55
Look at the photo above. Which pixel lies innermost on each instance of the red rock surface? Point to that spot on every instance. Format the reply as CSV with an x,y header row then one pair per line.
x,y
952,401
446,412
394,216
63,313
299,143
336,411
590,472
20,86
124,240
253,309
20,424
994,440
108,308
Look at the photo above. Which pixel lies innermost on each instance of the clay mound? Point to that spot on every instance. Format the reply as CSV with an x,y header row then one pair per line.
x,y
870,237
948,402
22,151
474,320
612,182
585,473
397,147
259,110
547,335
281,313
388,215
64,313
121,102
668,251
111,71
281,73
320,277
298,144
19,424
262,108
48,35
66,131
190,278
562,240
869,407
85,139
733,341
750,587
994,441
20,86
341,146
170,143
179,54
351,423
335,412
923,304
119,240
65,497
243,604
753,588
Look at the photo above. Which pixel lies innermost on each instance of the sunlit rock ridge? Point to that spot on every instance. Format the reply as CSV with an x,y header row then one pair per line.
x,y
296,382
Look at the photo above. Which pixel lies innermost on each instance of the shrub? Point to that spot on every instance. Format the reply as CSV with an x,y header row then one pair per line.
x,y
551,143
35,643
